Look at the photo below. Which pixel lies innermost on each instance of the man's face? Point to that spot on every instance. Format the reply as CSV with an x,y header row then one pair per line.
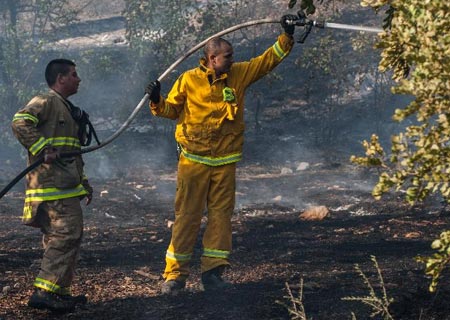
x,y
70,81
223,61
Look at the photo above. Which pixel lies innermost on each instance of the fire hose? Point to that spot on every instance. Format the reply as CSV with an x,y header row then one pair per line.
x,y
301,21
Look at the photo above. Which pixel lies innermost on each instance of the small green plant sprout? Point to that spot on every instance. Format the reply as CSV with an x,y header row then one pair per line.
x,y
378,303
296,309
435,264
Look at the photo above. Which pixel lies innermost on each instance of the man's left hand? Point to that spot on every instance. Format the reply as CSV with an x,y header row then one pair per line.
x,y
153,90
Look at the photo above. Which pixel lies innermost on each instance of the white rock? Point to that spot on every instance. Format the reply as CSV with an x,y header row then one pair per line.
x,y
109,215
103,193
302,166
277,198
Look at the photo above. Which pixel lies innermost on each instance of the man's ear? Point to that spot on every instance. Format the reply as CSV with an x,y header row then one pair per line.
x,y
60,78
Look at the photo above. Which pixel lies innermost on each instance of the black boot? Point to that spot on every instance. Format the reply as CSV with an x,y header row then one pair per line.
x,y
80,299
172,287
41,299
212,280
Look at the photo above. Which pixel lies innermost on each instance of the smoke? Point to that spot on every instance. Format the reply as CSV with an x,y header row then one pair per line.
x,y
291,131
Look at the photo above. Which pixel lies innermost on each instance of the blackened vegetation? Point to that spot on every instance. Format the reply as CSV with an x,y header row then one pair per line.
x,y
127,232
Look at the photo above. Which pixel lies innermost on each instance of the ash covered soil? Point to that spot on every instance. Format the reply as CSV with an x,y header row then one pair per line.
x,y
127,230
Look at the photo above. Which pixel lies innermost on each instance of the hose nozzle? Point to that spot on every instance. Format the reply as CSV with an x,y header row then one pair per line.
x,y
304,21
319,24
307,25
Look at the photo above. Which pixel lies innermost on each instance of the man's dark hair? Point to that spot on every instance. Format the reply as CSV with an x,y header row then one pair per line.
x,y
55,67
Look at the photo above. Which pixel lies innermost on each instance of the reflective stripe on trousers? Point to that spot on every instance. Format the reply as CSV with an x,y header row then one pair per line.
x,y
61,222
50,286
201,187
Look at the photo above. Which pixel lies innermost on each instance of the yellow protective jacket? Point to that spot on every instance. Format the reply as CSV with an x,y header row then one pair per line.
x,y
210,127
47,121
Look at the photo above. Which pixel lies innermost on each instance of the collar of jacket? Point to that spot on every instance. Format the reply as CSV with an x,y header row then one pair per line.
x,y
67,103
56,93
210,73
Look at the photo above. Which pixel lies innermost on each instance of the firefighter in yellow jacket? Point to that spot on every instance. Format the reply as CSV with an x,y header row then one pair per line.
x,y
47,126
208,104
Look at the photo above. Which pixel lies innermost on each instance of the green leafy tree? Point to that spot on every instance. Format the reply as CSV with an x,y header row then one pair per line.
x,y
416,51
437,262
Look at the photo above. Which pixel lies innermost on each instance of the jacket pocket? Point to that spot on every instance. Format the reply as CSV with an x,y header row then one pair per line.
x,y
66,174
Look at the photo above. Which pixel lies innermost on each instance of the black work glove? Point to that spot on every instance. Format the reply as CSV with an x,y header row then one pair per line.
x,y
154,91
288,28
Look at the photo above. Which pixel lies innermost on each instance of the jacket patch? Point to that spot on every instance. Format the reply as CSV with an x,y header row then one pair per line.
x,y
228,94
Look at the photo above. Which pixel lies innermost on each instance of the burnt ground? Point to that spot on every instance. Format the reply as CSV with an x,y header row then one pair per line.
x,y
127,232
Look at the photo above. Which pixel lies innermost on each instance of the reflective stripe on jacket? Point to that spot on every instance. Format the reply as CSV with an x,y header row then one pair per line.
x,y
210,127
50,194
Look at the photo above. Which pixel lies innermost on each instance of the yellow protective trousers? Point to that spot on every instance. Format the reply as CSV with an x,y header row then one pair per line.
x,y
201,187
61,222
